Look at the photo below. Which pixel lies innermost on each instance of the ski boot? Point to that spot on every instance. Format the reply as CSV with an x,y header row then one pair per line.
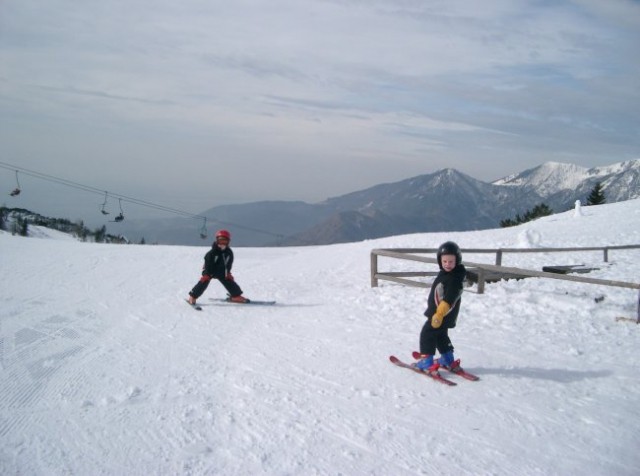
x,y
447,361
427,364
238,299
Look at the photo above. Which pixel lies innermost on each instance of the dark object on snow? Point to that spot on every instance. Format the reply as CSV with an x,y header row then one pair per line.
x,y
490,276
572,268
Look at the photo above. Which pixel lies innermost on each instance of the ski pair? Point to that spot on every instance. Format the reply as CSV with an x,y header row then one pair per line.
x,y
455,370
198,307
434,375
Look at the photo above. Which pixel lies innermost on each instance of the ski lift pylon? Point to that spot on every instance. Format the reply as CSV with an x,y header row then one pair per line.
x,y
16,191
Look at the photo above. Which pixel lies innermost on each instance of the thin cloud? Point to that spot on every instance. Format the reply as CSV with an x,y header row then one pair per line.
x,y
489,88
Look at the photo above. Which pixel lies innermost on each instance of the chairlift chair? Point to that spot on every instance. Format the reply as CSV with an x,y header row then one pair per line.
x,y
16,191
120,217
203,230
104,212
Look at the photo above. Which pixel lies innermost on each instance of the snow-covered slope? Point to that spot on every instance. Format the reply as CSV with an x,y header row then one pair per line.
x,y
106,371
36,231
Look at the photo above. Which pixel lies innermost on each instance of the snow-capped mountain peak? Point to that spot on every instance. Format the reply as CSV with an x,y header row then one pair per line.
x,y
547,178
553,177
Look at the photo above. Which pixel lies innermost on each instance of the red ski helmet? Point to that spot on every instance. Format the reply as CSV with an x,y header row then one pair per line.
x,y
223,234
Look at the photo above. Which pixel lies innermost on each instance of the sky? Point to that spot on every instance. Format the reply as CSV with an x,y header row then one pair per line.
x,y
105,370
201,103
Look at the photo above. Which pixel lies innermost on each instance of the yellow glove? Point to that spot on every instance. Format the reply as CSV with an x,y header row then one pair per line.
x,y
442,310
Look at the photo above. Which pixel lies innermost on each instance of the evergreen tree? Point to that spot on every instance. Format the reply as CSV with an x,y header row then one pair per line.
x,y
507,222
538,211
81,231
596,197
20,227
100,234
23,227
541,210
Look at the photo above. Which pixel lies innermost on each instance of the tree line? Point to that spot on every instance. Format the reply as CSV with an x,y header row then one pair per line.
x,y
17,222
596,197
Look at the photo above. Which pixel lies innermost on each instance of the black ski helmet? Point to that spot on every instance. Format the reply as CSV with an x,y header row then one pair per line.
x,y
449,248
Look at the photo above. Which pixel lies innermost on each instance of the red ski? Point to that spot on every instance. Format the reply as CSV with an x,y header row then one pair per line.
x,y
436,376
456,370
248,301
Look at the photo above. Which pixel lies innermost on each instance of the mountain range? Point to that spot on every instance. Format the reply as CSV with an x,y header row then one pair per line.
x,y
446,200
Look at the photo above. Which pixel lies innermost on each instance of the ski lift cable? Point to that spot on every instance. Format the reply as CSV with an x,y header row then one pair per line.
x,y
51,178
133,200
88,188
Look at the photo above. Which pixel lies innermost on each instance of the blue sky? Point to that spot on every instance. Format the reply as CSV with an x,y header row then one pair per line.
x,y
199,103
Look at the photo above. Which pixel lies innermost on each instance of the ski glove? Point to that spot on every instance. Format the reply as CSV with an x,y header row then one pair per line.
x,y
230,277
442,310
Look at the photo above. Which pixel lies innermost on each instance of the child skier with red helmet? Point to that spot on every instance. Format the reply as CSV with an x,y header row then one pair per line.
x,y
443,305
217,265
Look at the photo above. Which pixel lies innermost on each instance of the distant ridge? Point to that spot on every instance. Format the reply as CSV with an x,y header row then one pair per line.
x,y
446,200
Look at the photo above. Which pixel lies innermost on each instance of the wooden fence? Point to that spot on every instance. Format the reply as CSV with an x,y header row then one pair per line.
x,y
484,270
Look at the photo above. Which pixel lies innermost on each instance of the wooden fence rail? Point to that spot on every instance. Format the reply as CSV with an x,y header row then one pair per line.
x,y
411,254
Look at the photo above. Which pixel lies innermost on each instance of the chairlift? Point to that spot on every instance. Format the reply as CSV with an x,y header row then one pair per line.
x,y
104,212
203,230
120,217
16,191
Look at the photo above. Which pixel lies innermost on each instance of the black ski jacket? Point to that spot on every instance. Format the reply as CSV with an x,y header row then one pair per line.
x,y
451,284
218,262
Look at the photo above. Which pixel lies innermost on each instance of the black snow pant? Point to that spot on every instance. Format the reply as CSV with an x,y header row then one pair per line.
x,y
231,286
432,339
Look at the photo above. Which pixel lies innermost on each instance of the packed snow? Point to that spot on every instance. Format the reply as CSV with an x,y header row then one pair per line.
x,y
105,370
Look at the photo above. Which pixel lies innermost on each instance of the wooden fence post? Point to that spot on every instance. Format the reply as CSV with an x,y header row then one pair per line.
x,y
374,270
480,281
499,258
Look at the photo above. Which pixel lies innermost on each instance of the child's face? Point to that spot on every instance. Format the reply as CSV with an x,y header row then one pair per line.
x,y
448,262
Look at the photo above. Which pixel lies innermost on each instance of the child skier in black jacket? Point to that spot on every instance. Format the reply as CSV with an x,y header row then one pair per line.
x,y
217,265
443,306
